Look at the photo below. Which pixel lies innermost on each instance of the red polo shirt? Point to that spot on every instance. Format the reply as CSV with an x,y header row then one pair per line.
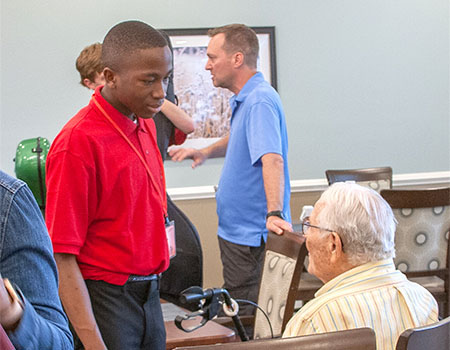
x,y
101,203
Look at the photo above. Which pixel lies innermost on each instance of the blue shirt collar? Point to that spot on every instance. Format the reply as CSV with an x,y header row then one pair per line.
x,y
255,80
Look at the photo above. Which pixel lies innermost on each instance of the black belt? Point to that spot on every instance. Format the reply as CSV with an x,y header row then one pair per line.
x,y
140,278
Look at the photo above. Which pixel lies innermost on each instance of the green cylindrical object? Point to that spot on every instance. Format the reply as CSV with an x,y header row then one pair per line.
x,y
31,155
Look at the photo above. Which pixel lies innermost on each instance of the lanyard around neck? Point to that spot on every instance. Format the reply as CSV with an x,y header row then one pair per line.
x,y
161,194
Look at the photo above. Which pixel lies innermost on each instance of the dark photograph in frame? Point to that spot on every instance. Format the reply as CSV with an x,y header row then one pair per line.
x,y
207,105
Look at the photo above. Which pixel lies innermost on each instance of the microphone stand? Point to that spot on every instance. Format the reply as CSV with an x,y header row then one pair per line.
x,y
209,308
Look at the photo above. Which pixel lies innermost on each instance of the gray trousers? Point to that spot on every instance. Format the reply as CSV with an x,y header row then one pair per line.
x,y
129,316
242,267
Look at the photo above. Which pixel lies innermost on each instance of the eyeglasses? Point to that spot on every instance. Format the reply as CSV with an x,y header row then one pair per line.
x,y
306,225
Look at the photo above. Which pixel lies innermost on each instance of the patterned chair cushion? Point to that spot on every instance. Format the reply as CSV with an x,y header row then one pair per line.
x,y
421,238
277,275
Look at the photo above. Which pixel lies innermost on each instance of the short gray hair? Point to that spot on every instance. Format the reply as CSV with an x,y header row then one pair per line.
x,y
362,218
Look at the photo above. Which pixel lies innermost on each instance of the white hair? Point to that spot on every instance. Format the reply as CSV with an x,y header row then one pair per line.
x,y
363,220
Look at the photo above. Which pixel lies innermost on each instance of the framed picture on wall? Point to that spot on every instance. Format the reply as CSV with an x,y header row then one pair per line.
x,y
207,105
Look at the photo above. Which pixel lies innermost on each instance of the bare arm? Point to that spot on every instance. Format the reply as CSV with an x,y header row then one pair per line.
x,y
273,177
178,117
217,149
76,301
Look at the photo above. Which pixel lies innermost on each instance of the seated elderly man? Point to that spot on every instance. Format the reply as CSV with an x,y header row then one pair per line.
x,y
350,239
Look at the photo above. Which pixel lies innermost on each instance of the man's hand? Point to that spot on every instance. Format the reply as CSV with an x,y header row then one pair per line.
x,y
10,310
179,154
277,225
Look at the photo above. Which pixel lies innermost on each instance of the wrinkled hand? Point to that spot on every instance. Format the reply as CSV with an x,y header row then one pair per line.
x,y
278,225
179,154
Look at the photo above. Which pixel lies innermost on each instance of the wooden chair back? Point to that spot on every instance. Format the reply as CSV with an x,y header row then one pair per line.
x,y
432,337
283,264
354,339
374,178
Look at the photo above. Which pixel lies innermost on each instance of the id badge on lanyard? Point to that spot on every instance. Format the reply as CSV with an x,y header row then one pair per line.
x,y
171,242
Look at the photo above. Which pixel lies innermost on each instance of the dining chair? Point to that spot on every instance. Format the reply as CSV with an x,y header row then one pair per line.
x,y
422,238
283,265
354,339
435,336
375,178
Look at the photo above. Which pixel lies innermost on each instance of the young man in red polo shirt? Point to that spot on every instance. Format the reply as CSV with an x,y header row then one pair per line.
x,y
106,204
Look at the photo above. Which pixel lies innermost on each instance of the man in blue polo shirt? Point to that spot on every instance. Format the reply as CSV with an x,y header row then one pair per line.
x,y
254,190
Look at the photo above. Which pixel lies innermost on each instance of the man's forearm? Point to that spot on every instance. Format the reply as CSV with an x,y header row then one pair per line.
x,y
273,177
178,117
76,301
217,149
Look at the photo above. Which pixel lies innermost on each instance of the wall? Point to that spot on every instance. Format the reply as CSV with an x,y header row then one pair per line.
x,y
364,83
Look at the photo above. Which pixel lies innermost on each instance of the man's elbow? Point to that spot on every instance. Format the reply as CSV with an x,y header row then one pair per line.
x,y
272,160
62,259
190,128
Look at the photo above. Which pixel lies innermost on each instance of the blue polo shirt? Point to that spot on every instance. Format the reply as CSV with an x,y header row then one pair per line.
x,y
257,127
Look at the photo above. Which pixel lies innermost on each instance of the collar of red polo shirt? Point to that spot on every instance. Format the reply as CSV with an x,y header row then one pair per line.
x,y
161,194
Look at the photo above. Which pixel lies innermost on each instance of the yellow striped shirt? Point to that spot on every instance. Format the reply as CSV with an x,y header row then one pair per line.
x,y
374,295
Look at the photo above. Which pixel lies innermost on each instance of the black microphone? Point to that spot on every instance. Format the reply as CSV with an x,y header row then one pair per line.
x,y
195,295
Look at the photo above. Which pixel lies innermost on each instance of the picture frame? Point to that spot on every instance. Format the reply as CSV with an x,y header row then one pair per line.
x,y
207,105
